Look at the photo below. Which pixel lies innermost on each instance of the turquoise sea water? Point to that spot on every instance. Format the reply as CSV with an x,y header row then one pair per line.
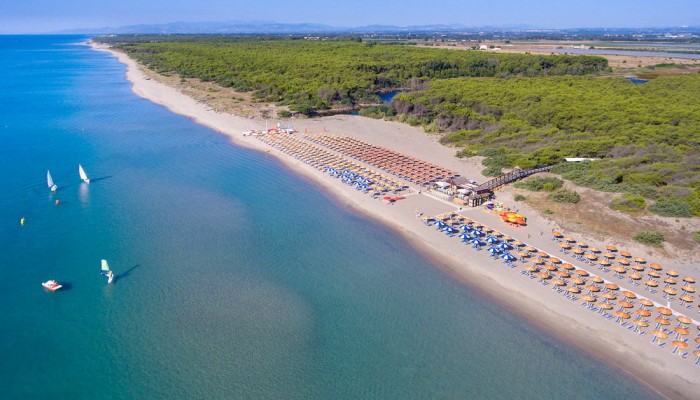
x,y
234,278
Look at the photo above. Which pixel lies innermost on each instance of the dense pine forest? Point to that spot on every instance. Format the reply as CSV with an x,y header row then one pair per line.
x,y
311,75
517,110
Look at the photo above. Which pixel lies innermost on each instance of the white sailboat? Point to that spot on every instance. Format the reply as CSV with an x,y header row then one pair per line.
x,y
49,181
105,271
83,175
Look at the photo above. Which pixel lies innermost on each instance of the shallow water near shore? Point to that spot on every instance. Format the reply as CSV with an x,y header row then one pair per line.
x,y
234,278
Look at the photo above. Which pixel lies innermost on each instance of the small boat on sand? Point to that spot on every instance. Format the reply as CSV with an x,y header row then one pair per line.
x,y
51,285
83,175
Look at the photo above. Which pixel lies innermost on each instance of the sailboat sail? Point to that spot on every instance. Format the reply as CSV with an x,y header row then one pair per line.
x,y
49,181
105,268
83,175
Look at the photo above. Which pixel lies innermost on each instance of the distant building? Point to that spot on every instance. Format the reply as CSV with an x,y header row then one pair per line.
x,y
483,47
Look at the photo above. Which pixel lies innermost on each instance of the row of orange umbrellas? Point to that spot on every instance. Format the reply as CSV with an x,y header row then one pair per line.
x,y
627,303
411,168
318,157
624,262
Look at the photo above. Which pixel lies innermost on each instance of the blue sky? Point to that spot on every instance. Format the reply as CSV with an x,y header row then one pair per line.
x,y
39,16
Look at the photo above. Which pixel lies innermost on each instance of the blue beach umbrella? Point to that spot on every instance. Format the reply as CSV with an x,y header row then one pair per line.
x,y
504,246
493,250
476,242
508,257
464,237
491,240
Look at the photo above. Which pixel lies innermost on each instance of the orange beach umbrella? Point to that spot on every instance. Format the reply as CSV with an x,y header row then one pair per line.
x,y
670,291
679,344
660,334
577,281
686,298
664,311
641,322
646,302
643,313
626,304
681,331
588,298
622,314
608,296
629,294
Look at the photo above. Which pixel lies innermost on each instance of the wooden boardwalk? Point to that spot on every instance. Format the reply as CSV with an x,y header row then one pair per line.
x,y
509,177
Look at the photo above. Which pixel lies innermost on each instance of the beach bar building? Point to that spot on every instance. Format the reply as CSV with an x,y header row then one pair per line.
x,y
462,191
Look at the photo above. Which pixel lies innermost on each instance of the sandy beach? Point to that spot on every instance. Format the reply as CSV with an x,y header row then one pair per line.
x,y
652,365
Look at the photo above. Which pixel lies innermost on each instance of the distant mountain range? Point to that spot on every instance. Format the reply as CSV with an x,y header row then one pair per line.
x,y
269,27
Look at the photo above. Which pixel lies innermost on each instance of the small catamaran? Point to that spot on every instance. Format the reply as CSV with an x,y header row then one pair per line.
x,y
83,175
107,272
49,181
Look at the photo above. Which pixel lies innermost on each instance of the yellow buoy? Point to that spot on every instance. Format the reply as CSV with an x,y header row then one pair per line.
x,y
21,221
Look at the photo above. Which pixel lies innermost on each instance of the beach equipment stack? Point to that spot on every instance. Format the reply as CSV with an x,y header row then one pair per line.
x,y
513,218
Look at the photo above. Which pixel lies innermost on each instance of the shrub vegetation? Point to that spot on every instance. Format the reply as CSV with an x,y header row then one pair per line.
x,y
653,239
644,138
565,196
671,208
629,203
537,184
